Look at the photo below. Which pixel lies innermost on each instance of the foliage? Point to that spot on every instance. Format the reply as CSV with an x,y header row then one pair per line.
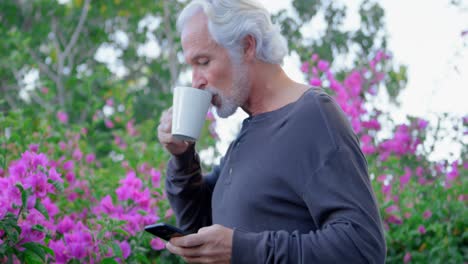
x,y
422,202
79,158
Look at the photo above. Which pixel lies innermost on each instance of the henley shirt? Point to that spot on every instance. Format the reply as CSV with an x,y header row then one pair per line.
x,y
293,186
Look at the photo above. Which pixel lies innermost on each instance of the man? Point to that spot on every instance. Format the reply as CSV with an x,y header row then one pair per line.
x,y
293,187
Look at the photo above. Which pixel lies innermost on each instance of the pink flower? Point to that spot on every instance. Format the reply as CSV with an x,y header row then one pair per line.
x,y
395,220
60,251
124,192
157,244
77,154
387,189
372,124
354,83
18,170
391,209
62,146
323,65
453,174
419,171
305,67
155,177
131,180
107,205
382,178
90,158
315,82
108,123
34,148
62,117
110,102
38,183
142,198
405,178
126,249
314,57
422,229
51,208
65,225
69,165
70,176
54,175
427,214
422,124
407,257
133,132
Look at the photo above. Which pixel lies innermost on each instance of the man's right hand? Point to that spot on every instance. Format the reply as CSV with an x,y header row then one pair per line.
x,y
174,146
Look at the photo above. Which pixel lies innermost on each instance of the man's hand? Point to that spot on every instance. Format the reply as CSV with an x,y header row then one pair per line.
x,y
174,146
212,244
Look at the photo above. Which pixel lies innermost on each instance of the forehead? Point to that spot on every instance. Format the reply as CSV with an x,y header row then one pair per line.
x,y
196,37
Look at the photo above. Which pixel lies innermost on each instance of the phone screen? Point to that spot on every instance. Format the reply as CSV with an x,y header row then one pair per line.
x,y
165,231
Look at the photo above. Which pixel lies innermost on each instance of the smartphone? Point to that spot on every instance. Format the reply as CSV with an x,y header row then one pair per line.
x,y
165,231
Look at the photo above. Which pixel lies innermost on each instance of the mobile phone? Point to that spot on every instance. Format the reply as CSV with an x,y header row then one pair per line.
x,y
165,231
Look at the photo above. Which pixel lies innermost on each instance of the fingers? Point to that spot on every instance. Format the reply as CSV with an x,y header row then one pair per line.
x,y
192,240
193,252
189,246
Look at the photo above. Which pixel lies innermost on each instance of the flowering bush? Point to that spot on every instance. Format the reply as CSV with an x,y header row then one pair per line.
x,y
67,199
74,193
422,202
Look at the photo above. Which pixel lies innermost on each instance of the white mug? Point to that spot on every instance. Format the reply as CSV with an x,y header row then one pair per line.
x,y
189,109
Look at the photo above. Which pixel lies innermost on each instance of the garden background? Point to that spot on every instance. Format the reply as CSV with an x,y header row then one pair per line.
x,y
82,87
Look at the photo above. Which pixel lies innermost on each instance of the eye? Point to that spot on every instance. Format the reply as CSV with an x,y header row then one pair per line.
x,y
203,62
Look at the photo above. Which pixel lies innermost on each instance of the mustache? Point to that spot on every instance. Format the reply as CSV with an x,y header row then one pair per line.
x,y
213,90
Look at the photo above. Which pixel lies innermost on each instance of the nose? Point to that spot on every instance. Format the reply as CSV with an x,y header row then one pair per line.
x,y
198,80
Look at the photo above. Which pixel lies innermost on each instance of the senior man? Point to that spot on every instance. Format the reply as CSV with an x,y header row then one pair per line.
x,y
293,187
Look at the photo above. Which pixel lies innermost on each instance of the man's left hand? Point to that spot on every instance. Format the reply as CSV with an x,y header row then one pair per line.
x,y
212,244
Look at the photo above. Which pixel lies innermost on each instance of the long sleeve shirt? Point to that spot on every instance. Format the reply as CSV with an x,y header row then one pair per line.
x,y
294,186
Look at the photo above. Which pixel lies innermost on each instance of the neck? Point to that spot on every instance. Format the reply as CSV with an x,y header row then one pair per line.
x,y
270,89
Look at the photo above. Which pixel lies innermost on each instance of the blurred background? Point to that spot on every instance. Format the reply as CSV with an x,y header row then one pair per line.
x,y
90,78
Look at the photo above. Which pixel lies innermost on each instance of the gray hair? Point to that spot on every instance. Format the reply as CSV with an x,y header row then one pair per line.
x,y
230,21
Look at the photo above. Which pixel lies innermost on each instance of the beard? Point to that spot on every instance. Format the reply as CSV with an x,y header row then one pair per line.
x,y
226,105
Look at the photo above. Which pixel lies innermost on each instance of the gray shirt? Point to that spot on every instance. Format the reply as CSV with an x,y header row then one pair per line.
x,y
294,187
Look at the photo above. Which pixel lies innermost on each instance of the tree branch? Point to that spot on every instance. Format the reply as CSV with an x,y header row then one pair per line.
x,y
42,67
60,88
172,52
79,27
8,98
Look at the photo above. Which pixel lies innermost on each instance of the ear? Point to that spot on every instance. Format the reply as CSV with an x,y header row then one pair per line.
x,y
250,47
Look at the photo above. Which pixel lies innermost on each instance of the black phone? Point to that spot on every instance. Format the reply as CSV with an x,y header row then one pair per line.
x,y
165,231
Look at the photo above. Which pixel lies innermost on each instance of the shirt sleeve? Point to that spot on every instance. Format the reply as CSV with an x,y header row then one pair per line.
x,y
189,192
342,204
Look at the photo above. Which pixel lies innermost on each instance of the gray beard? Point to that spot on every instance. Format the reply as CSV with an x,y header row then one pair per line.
x,y
240,92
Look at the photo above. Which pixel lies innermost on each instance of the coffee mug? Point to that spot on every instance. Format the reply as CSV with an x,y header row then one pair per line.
x,y
190,106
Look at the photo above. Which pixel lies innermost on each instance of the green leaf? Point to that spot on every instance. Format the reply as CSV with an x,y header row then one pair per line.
x,y
31,257
121,231
116,249
35,248
47,250
38,228
24,194
57,185
109,261
40,207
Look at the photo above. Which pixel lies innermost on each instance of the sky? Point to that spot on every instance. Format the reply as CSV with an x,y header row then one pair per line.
x,y
423,35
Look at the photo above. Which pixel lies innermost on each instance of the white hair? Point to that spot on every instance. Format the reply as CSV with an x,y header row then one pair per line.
x,y
230,21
